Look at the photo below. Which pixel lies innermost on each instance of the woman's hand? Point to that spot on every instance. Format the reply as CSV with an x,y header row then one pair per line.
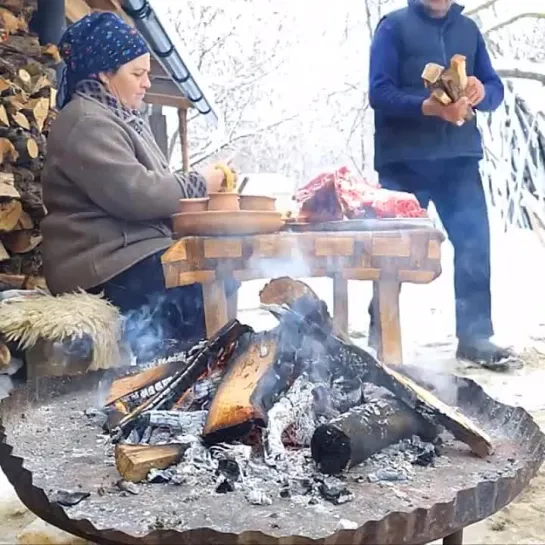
x,y
214,178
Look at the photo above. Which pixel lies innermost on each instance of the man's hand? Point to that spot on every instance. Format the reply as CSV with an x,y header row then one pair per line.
x,y
475,91
452,113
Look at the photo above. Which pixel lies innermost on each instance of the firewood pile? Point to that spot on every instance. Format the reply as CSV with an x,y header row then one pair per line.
x,y
302,385
27,108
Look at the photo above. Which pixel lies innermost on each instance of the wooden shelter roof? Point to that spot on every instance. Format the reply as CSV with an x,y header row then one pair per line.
x,y
164,90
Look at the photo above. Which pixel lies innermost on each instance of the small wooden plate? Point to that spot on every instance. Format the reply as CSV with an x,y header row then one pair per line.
x,y
226,222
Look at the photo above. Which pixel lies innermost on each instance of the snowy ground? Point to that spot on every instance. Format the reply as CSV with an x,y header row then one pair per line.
x,y
428,336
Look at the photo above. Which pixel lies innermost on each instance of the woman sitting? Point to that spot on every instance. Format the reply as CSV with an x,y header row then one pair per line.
x,y
108,190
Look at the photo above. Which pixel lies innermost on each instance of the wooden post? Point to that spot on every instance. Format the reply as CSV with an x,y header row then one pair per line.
x,y
158,125
340,302
387,300
182,124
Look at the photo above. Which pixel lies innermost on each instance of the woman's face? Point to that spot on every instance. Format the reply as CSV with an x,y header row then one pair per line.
x,y
130,83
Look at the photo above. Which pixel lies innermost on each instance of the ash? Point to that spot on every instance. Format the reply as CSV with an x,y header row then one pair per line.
x,y
61,442
269,472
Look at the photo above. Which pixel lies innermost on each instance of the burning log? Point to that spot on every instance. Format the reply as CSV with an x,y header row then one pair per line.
x,y
197,365
187,422
354,436
414,396
125,386
298,296
257,375
135,461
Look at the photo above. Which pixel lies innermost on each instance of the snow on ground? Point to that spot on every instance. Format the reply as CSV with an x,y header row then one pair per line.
x,y
518,262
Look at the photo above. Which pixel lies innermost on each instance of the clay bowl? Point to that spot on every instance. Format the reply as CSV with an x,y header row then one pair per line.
x,y
224,201
193,205
257,202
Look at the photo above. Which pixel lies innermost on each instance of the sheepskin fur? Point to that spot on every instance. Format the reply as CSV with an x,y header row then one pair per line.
x,y
27,319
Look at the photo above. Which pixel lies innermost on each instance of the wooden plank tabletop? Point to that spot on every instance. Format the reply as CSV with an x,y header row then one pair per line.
x,y
411,255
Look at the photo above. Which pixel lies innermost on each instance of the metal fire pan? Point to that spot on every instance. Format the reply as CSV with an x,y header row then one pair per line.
x,y
418,526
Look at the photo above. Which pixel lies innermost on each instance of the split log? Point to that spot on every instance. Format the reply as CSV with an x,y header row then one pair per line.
x,y
125,386
4,119
29,265
38,109
52,51
354,436
25,45
5,356
34,283
448,86
30,189
222,343
7,186
186,422
26,147
5,85
135,461
10,212
22,241
21,7
16,102
4,256
11,23
239,405
299,297
12,282
8,153
25,222
20,120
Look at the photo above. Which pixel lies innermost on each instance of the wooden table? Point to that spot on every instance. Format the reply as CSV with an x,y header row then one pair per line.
x,y
387,258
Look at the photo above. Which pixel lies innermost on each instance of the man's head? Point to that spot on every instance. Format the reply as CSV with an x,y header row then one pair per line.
x,y
437,8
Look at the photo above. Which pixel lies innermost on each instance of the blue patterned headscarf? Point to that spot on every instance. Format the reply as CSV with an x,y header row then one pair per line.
x,y
99,42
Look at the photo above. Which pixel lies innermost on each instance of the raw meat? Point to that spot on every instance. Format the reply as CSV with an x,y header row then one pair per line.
x,y
340,194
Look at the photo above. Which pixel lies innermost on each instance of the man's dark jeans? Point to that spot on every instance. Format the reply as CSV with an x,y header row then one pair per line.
x,y
455,188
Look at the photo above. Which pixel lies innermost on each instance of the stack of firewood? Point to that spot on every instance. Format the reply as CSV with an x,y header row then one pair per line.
x,y
27,108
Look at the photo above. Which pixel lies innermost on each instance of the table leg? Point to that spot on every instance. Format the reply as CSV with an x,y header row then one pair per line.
x,y
454,539
232,305
215,306
389,326
340,303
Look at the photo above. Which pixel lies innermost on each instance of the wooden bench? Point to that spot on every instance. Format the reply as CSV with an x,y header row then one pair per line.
x,y
387,258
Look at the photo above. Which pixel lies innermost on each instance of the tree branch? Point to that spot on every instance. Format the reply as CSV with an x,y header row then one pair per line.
x,y
513,19
207,153
477,9
521,74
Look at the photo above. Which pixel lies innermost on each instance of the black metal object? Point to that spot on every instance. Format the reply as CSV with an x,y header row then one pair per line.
x,y
49,23
421,525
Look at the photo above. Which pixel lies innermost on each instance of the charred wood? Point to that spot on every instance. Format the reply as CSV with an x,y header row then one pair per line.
x,y
263,369
413,395
354,436
224,340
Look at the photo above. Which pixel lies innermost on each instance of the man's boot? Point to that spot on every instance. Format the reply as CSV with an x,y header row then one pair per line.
x,y
484,352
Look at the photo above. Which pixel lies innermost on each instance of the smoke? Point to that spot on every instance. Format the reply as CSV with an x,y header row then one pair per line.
x,y
292,263
176,315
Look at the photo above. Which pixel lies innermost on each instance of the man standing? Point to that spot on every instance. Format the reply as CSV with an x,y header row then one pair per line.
x,y
421,149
